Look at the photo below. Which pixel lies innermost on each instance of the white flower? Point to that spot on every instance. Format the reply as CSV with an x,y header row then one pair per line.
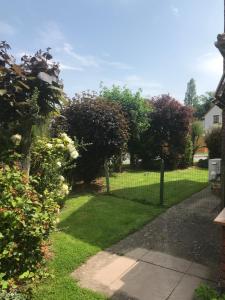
x,y
61,178
66,138
65,189
49,145
60,146
16,139
74,154
59,164
71,147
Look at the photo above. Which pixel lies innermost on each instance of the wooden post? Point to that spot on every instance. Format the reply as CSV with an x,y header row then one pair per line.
x,y
223,141
162,169
220,220
107,177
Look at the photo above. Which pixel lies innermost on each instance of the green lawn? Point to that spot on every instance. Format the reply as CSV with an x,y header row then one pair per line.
x,y
144,186
90,223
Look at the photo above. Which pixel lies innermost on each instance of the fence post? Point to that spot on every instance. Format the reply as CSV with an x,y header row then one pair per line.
x,y
162,169
107,176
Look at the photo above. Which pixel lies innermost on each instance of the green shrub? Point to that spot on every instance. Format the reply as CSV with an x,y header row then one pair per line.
x,y
205,292
167,135
213,142
49,159
203,163
186,158
102,127
26,219
4,295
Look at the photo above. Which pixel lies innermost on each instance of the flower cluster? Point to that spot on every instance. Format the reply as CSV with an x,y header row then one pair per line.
x,y
69,145
16,139
50,158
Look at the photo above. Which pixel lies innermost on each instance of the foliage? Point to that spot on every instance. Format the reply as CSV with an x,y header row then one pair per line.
x,y
136,109
4,295
196,133
203,105
50,158
27,218
191,98
102,127
205,292
29,92
213,142
166,138
203,163
187,158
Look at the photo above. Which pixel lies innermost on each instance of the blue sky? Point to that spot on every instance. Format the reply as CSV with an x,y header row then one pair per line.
x,y
155,45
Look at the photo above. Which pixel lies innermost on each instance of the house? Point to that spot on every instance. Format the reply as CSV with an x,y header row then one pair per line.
x,y
212,118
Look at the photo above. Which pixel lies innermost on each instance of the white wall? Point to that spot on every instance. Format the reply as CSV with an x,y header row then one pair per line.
x,y
208,121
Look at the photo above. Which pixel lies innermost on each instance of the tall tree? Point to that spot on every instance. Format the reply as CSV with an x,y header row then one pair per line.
x,y
136,109
204,104
196,132
167,135
101,126
29,92
191,98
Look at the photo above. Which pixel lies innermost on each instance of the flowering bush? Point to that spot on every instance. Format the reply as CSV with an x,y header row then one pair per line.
x,y
28,210
26,219
49,158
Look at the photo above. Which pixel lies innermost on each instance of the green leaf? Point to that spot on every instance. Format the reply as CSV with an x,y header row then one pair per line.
x,y
24,275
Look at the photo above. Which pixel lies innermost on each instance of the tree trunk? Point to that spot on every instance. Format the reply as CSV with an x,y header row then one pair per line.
x,y
133,160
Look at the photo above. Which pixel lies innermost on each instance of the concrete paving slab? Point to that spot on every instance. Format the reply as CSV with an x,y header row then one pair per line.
x,y
186,288
146,281
137,253
167,261
201,271
114,270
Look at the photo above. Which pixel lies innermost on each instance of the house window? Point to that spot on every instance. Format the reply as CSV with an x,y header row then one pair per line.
x,y
216,119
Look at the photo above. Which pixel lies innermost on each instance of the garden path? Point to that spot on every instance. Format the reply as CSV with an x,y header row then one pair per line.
x,y
165,260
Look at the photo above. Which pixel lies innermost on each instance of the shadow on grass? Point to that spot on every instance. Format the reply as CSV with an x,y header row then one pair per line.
x,y
105,219
174,192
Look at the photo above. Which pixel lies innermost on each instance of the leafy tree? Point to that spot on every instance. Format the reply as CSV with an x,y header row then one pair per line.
x,y
101,126
29,92
167,136
136,109
196,133
191,98
204,104
213,142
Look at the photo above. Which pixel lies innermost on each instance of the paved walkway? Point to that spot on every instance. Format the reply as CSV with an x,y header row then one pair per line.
x,y
166,260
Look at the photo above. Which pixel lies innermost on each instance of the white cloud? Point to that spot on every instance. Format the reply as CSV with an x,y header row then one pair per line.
x,y
69,68
115,64
136,82
211,64
6,29
52,36
87,61
93,61
175,11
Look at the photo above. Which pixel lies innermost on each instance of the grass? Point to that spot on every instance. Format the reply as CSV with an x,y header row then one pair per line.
x,y
90,223
144,187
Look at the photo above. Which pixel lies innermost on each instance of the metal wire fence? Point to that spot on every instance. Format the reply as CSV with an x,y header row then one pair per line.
x,y
156,187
